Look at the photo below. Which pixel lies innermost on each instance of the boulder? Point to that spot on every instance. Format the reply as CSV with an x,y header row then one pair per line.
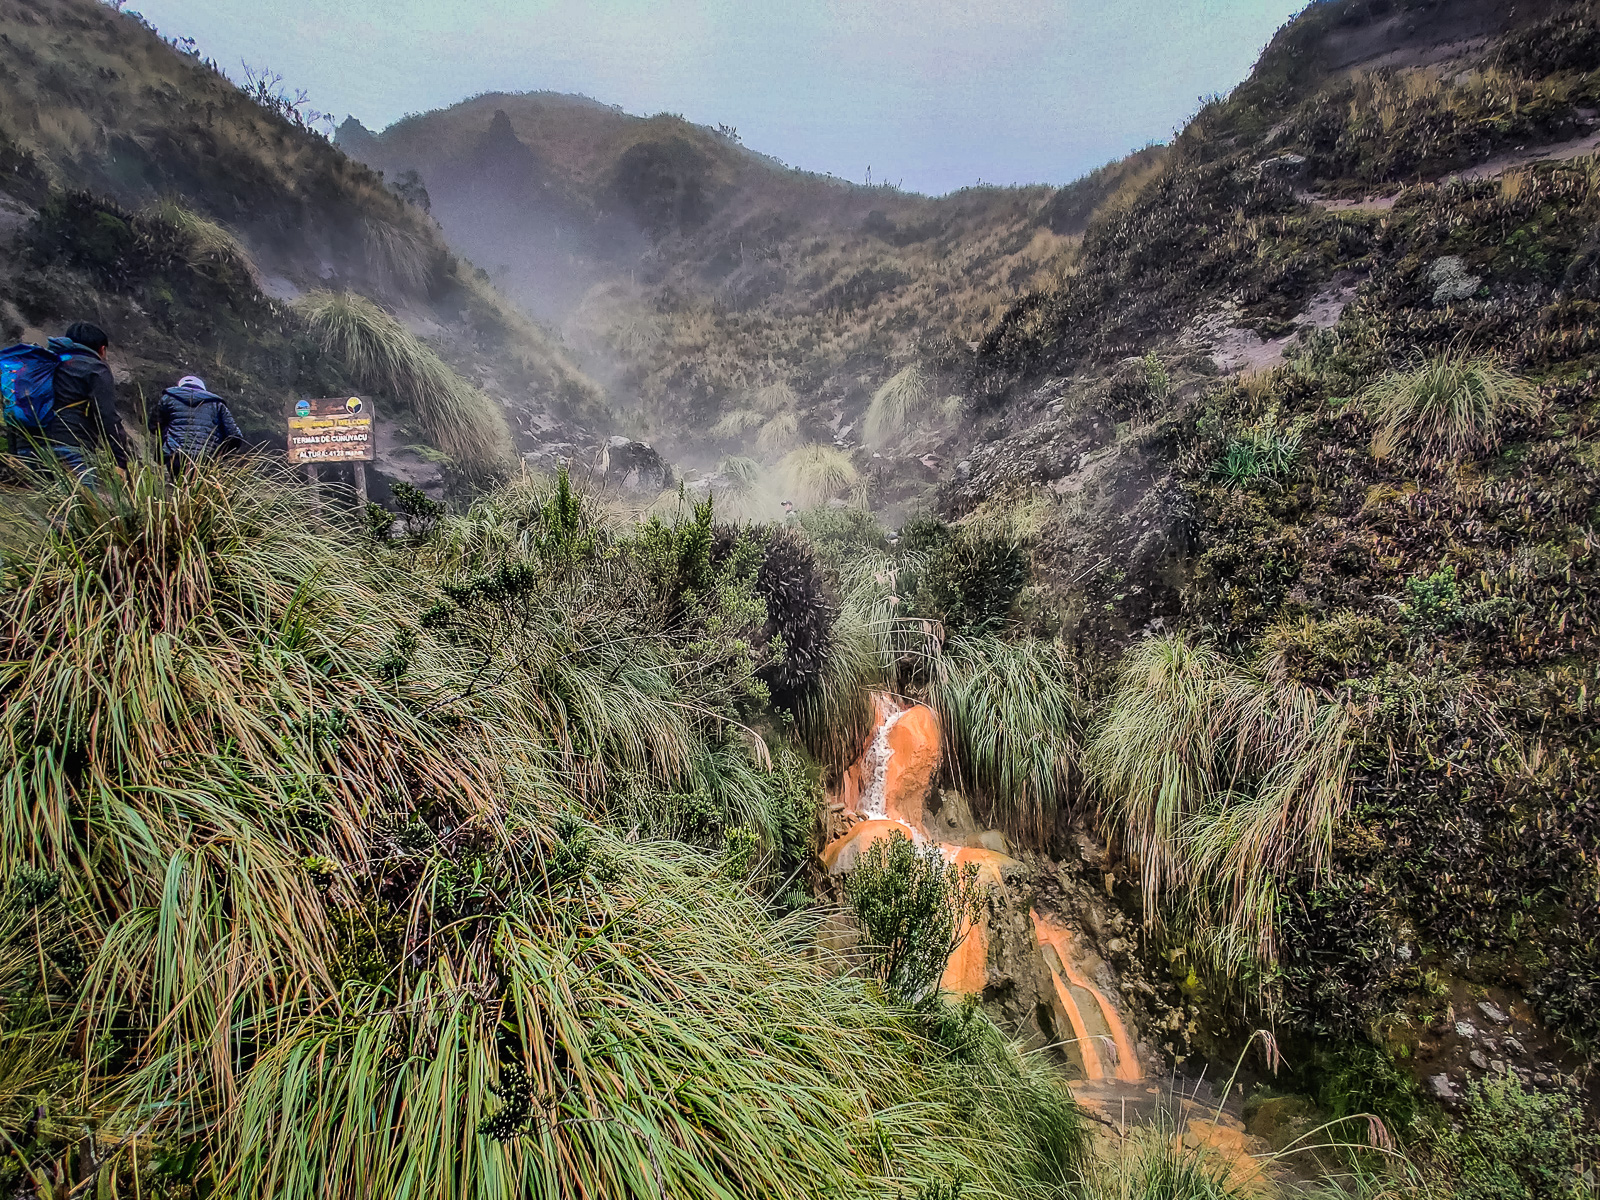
x,y
633,467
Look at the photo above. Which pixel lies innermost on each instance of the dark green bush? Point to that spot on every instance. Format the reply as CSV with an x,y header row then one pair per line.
x,y
914,909
970,581
1361,1079
800,612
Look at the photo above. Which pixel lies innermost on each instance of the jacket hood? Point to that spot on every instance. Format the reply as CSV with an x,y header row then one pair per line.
x,y
61,345
191,396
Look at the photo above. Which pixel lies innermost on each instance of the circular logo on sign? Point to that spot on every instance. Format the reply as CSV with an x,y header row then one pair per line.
x,y
302,408
353,405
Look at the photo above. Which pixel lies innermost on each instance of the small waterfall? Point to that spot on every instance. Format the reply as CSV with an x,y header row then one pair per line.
x,y
884,792
874,804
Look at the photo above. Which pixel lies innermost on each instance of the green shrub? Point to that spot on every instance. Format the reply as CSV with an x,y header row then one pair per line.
x,y
914,910
1432,603
971,582
1510,1143
1360,1079
842,533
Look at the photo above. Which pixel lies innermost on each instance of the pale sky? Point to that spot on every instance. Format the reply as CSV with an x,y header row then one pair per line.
x,y
932,94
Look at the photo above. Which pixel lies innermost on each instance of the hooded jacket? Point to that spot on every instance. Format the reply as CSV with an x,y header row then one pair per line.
x,y
194,423
86,402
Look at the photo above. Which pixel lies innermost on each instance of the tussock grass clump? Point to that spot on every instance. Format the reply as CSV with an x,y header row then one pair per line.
x,y
208,241
380,354
1013,716
1454,403
777,434
400,260
1155,1164
1219,783
895,404
813,475
334,879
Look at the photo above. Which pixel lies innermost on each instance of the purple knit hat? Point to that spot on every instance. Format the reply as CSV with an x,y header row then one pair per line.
x,y
194,382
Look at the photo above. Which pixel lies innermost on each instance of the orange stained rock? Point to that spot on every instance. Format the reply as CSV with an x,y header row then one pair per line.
x,y
841,854
911,739
967,971
1232,1145
1088,1049
1060,940
912,766
990,863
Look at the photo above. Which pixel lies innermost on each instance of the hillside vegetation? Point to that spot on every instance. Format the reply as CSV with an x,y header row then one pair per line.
x,y
309,895
476,843
1394,506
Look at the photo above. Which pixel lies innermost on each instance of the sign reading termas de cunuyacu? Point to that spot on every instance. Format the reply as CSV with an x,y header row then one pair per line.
x,y
337,430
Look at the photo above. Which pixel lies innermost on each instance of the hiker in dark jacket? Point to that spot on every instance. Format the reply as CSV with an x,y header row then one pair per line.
x,y
193,423
85,414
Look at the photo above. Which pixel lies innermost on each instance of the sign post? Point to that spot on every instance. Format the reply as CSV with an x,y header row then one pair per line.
x,y
330,431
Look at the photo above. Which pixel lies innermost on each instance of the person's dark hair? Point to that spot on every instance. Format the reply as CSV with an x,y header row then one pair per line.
x,y
87,334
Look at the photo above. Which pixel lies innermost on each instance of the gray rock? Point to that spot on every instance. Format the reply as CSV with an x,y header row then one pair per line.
x,y
964,468
1451,281
1494,1014
1442,1088
1283,164
634,466
1466,1029
1477,1059
1513,1046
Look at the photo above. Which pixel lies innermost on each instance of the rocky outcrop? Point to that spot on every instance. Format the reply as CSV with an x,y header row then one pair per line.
x,y
633,467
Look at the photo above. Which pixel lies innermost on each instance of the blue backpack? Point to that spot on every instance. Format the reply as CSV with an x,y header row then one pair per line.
x,y
28,385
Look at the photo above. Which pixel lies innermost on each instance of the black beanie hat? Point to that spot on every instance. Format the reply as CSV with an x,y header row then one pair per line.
x,y
86,334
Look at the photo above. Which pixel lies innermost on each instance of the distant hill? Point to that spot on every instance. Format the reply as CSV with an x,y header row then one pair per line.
x,y
695,273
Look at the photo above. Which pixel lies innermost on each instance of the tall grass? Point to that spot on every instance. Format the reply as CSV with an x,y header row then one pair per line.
x,y
343,920
895,404
207,239
834,717
814,475
1013,716
399,259
1152,1163
1453,403
380,354
1219,783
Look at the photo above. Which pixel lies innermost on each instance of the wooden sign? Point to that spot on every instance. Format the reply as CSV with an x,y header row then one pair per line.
x,y
329,431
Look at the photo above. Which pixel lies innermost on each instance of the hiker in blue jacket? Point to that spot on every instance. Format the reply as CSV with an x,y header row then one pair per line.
x,y
85,408
193,423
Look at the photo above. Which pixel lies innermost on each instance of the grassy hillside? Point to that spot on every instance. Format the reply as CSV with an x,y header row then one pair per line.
x,y
1394,504
148,191
446,859
699,275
